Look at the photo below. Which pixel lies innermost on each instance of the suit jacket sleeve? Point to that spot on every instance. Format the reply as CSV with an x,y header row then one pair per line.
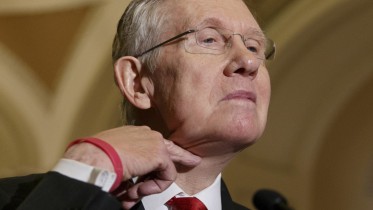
x,y
53,191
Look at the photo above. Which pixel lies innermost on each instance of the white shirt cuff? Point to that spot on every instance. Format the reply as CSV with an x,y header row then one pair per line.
x,y
86,173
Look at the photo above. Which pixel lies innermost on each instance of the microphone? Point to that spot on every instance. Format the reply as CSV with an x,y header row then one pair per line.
x,y
266,199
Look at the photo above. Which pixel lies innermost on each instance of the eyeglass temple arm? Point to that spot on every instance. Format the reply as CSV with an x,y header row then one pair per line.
x,y
165,42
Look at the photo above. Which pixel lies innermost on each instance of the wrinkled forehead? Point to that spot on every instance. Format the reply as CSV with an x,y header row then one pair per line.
x,y
232,14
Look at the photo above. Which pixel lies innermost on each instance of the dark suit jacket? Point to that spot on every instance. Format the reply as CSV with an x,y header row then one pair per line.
x,y
53,191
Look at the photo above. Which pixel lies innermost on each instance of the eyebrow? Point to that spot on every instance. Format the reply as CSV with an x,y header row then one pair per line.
x,y
218,23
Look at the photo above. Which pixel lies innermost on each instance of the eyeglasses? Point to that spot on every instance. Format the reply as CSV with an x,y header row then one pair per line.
x,y
217,41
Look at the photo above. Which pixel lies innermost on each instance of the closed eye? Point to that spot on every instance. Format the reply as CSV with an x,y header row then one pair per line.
x,y
253,49
209,40
254,46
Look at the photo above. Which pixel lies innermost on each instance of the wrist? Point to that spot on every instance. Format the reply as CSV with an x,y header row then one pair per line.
x,y
89,154
106,148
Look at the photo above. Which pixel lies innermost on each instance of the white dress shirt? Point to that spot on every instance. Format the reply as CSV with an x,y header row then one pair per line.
x,y
210,196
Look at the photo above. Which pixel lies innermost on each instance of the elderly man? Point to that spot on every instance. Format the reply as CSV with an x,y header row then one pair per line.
x,y
197,92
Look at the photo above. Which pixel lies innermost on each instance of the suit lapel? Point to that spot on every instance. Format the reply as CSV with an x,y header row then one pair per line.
x,y
226,200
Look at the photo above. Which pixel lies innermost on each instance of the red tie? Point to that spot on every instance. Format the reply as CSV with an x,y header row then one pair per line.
x,y
185,203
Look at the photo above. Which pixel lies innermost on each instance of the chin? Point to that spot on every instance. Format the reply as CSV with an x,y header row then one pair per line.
x,y
241,139
241,135
224,143
236,138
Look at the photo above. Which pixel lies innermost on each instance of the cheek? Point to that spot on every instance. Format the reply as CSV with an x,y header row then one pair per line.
x,y
198,92
264,94
183,90
195,93
196,82
266,86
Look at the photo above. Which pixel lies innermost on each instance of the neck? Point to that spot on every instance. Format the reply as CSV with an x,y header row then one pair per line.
x,y
193,180
200,177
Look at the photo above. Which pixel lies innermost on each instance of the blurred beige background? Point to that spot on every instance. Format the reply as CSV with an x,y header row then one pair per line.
x,y
56,84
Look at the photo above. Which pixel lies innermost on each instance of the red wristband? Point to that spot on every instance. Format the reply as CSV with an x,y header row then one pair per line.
x,y
110,151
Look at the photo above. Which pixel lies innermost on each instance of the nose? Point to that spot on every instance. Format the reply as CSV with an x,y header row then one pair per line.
x,y
242,61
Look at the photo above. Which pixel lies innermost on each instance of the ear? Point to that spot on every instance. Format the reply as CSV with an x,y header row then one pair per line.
x,y
128,78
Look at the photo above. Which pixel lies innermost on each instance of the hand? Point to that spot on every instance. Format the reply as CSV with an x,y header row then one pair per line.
x,y
144,153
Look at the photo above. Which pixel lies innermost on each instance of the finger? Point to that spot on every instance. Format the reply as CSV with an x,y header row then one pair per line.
x,y
129,204
131,194
180,155
154,182
153,186
122,188
141,189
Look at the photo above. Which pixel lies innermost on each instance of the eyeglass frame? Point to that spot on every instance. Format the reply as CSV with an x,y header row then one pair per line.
x,y
269,56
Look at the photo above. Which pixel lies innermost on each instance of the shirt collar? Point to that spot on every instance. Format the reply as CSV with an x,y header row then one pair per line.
x,y
210,196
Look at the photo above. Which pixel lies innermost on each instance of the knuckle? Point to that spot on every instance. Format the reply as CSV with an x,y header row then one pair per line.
x,y
145,127
157,135
161,160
